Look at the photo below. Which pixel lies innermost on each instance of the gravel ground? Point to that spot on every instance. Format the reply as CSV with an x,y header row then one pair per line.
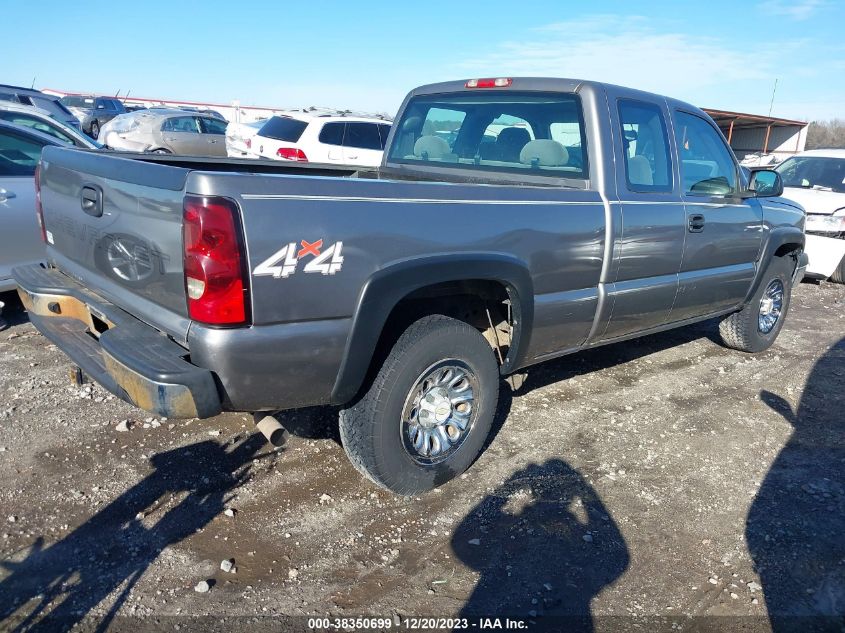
x,y
630,486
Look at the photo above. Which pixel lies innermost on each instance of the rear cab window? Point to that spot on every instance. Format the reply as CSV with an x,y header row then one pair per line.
x,y
648,167
531,133
282,128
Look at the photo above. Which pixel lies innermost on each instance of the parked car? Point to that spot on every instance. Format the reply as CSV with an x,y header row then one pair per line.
x,y
321,138
31,97
239,138
166,131
93,112
41,120
20,238
816,180
404,293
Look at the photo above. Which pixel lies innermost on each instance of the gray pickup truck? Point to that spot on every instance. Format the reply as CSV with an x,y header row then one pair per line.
x,y
512,220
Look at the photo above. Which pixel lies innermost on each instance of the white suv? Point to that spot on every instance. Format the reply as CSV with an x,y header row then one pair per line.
x,y
323,138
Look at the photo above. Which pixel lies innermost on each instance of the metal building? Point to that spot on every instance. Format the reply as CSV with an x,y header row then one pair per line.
x,y
760,134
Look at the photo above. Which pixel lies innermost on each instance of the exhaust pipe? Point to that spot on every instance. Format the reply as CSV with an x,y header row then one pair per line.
x,y
270,427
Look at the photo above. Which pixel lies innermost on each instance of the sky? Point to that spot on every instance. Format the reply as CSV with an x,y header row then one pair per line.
x,y
367,55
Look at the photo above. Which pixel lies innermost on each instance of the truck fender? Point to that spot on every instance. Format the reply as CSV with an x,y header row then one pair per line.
x,y
778,237
388,286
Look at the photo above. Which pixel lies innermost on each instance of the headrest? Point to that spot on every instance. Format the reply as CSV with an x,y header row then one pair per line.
x,y
546,153
431,147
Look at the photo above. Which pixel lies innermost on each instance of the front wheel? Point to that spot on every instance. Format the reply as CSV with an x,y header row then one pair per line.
x,y
95,130
757,325
426,415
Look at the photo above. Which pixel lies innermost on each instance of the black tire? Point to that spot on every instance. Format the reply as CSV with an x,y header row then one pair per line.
x,y
160,150
95,130
838,275
741,330
371,428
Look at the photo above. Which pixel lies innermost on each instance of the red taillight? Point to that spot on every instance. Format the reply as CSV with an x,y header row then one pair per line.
x,y
215,276
292,153
39,211
499,82
248,143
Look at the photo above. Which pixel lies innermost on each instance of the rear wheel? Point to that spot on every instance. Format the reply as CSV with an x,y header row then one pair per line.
x,y
426,415
95,130
757,325
838,275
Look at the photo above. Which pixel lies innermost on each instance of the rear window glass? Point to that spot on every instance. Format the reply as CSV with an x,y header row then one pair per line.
x,y
38,124
533,133
78,102
283,129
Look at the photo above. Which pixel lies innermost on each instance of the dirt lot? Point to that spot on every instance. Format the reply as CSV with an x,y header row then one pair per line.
x,y
661,478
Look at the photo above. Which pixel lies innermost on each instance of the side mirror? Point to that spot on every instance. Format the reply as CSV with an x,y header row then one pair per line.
x,y
765,183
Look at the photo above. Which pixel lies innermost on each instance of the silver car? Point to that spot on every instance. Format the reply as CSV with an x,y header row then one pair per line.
x,y
41,120
20,237
166,131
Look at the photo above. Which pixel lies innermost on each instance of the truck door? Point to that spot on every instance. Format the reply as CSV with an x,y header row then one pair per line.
x,y
724,232
648,253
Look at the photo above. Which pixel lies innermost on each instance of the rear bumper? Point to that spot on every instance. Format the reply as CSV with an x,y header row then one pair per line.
x,y
129,358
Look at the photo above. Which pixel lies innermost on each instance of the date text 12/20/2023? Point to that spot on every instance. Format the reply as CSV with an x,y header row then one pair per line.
x,y
415,624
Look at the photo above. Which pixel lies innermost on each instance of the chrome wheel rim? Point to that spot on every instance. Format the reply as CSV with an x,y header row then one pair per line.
x,y
771,307
439,412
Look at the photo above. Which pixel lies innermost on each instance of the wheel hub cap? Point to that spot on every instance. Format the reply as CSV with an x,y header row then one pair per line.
x,y
771,307
438,412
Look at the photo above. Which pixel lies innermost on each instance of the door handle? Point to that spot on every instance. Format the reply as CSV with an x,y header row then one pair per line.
x,y
7,195
92,200
696,223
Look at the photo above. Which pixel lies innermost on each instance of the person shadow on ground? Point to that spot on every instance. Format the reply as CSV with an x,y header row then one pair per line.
x,y
545,546
795,527
55,587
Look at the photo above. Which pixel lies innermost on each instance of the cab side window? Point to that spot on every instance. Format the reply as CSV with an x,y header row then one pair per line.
x,y
707,167
646,147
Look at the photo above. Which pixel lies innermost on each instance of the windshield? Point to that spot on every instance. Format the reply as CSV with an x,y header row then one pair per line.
x,y
541,134
78,102
813,172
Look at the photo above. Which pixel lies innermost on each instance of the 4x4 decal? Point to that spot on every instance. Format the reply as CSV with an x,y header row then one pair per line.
x,y
283,263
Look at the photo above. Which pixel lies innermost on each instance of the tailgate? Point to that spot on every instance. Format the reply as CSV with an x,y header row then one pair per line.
x,y
115,224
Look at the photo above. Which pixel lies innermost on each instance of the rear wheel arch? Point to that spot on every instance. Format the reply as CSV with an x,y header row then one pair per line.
x,y
387,289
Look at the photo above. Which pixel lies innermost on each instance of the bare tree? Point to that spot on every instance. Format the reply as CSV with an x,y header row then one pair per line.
x,y
826,134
